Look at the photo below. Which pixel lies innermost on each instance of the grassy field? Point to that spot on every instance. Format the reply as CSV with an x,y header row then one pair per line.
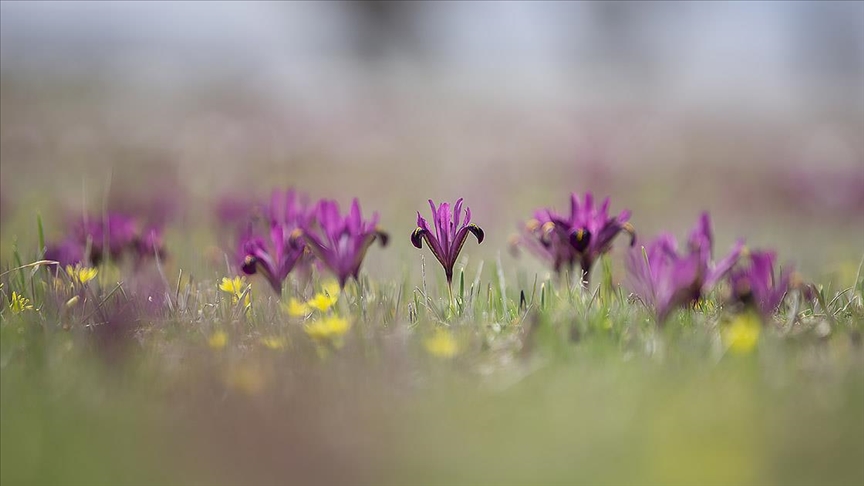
x,y
164,372
153,377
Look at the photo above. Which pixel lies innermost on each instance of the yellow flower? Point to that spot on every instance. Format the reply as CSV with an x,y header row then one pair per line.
x,y
295,308
322,302
81,274
236,287
331,288
442,344
19,303
273,342
327,298
742,335
328,329
218,340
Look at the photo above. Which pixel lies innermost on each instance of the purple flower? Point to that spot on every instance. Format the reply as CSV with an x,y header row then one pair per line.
x,y
275,261
91,240
113,234
666,278
149,244
580,238
756,284
538,236
67,252
449,236
340,242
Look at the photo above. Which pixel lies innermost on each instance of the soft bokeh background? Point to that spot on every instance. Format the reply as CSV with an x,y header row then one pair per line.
x,y
754,111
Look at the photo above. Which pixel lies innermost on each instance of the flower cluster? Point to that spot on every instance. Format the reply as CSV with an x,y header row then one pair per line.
x,y
116,236
298,232
275,255
290,233
666,278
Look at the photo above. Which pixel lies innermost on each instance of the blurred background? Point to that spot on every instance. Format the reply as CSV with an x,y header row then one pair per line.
x,y
752,110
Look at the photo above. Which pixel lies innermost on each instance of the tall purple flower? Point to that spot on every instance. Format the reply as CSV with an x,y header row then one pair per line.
x,y
666,278
580,238
286,215
340,242
756,284
449,236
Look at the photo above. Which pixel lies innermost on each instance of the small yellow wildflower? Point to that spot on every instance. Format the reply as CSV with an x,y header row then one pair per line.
x,y
273,342
236,287
322,302
218,340
81,274
295,308
331,288
19,303
328,329
442,344
742,334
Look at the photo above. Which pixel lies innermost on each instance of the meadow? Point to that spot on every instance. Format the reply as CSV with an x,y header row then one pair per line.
x,y
183,303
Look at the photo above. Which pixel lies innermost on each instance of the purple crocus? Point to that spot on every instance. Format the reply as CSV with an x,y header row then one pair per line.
x,y
756,284
449,236
580,238
340,242
667,278
286,214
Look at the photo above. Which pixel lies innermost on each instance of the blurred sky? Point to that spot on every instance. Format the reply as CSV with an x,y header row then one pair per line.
x,y
778,55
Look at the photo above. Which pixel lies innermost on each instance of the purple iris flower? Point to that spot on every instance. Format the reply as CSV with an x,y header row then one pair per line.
x,y
287,214
757,285
667,278
581,238
449,236
538,237
68,252
340,242
114,235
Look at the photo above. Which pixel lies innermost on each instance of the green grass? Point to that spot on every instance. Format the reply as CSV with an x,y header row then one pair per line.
x,y
564,386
